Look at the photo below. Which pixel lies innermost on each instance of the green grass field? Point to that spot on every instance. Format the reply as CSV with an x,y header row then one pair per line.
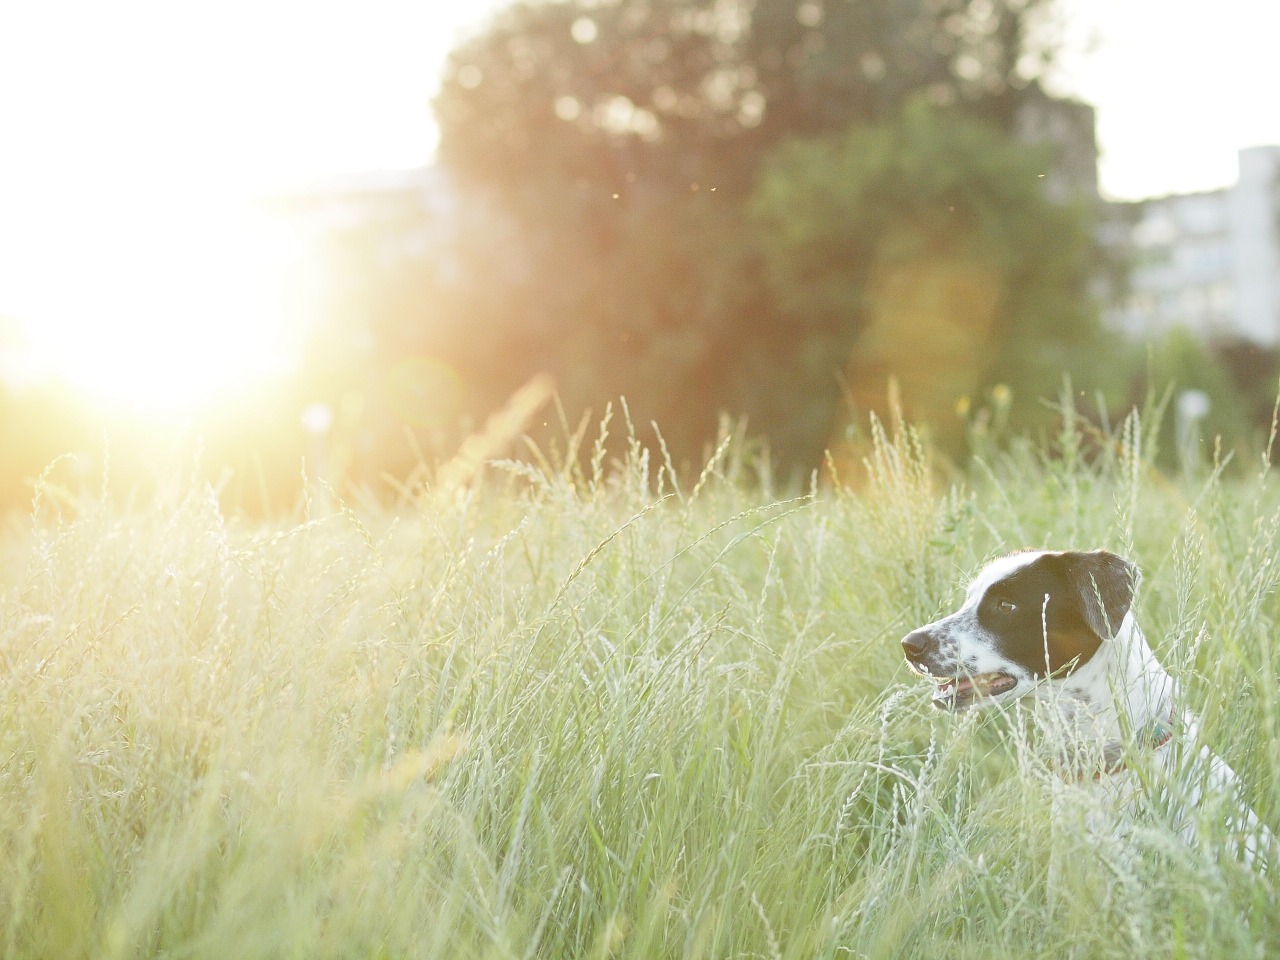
x,y
590,713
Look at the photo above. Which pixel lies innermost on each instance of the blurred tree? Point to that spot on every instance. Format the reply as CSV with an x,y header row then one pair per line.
x,y
695,91
925,249
622,141
1254,370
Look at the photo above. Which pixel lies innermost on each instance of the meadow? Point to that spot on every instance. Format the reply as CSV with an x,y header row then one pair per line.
x,y
584,706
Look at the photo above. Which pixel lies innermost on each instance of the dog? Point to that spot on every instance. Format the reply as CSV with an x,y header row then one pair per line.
x,y
1057,628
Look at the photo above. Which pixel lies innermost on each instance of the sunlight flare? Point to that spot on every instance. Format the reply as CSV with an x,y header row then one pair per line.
x,y
168,310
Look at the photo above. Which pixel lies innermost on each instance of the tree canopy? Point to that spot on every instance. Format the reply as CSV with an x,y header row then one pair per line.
x,y
925,248
684,91
712,204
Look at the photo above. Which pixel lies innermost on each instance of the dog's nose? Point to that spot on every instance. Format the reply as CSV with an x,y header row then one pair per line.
x,y
914,644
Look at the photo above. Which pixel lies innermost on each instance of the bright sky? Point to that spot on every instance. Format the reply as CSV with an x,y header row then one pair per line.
x,y
1179,85
132,133
132,136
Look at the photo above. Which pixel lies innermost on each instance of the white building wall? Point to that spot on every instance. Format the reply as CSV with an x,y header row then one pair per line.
x,y
1182,266
1255,237
1209,262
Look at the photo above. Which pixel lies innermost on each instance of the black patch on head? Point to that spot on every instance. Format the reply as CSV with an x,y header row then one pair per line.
x,y
1088,596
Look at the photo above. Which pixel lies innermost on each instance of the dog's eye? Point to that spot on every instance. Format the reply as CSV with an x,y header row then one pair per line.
x,y
1006,606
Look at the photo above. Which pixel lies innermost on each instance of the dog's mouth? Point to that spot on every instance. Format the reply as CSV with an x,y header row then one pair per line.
x,y
957,693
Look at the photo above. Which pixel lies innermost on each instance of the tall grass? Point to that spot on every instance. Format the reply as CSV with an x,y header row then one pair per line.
x,y
600,712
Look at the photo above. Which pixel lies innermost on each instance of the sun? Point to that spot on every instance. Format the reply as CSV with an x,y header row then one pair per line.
x,y
131,253
172,311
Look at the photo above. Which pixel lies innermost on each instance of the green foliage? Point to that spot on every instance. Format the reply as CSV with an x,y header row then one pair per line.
x,y
584,712
620,143
681,91
1237,377
925,248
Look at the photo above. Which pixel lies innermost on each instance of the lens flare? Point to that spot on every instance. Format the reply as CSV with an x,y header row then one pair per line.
x,y
423,391
165,312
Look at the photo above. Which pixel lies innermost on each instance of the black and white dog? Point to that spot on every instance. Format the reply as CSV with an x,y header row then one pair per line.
x,y
1057,628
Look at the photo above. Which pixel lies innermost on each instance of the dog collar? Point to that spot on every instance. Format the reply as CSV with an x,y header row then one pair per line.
x,y
1153,736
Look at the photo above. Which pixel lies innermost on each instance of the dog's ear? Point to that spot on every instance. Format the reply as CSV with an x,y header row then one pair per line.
x,y
1105,583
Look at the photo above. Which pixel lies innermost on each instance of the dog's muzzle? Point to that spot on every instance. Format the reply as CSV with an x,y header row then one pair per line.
x,y
921,649
956,688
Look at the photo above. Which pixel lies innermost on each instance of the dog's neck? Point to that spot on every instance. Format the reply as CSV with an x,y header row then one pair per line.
x,y
1121,692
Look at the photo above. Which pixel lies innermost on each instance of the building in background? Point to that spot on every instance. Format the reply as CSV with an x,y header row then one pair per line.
x,y
362,243
416,209
1255,243
1208,262
1069,127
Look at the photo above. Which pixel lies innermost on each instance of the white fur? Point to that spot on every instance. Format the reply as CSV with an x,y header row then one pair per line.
x,y
1123,689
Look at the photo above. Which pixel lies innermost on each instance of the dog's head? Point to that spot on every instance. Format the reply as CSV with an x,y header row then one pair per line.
x,y
1026,618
